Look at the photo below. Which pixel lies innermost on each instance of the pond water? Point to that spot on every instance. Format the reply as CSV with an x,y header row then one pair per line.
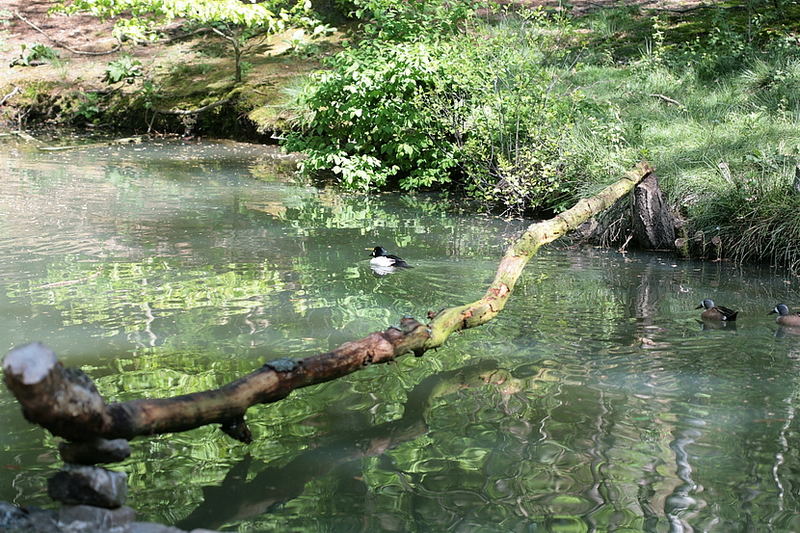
x,y
595,402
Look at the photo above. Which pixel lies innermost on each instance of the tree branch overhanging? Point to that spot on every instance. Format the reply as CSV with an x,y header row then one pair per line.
x,y
66,402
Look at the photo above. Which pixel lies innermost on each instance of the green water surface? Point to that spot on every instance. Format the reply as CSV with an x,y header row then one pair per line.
x,y
595,402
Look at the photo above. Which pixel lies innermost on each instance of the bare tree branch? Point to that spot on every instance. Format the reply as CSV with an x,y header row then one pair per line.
x,y
666,99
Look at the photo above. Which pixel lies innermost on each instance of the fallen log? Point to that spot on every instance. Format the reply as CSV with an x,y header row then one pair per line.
x,y
66,402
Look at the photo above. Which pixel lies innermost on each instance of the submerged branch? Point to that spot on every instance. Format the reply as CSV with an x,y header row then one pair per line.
x,y
66,402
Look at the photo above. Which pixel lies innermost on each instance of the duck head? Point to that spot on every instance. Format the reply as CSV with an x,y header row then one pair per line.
x,y
379,251
781,309
708,303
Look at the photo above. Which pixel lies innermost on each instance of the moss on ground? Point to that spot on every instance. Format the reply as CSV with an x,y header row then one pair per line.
x,y
184,75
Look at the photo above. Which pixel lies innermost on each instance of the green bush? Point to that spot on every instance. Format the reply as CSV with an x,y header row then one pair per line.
x,y
478,111
407,20
368,122
34,54
125,68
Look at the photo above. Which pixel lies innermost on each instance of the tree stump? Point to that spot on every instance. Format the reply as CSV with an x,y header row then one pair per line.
x,y
653,221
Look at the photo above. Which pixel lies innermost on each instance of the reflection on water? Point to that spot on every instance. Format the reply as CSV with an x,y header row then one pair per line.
x,y
598,400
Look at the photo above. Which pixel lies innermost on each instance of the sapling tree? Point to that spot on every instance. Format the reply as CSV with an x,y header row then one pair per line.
x,y
236,21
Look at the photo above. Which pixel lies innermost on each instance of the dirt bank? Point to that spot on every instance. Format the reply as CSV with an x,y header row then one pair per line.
x,y
178,75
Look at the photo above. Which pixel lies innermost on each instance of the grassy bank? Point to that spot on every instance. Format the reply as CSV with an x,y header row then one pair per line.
x,y
711,99
521,109
527,109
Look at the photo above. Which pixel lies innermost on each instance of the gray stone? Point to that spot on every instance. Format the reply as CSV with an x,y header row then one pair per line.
x,y
88,485
90,518
95,451
44,521
151,527
11,515
20,520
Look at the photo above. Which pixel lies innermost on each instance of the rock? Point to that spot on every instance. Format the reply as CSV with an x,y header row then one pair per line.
x,y
78,519
150,527
95,451
18,520
90,518
88,485
11,515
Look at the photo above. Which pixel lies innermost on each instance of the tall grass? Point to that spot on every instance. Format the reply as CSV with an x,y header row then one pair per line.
x,y
715,108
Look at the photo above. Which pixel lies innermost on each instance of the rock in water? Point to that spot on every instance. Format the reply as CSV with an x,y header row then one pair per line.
x,y
88,518
95,451
89,485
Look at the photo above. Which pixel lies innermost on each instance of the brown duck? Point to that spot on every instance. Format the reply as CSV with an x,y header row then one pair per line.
x,y
785,318
716,312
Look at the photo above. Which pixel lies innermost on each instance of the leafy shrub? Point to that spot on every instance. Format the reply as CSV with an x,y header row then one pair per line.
x,y
34,54
405,20
368,122
82,108
478,111
125,68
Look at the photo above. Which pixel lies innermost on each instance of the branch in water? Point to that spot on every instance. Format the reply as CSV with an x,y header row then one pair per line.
x,y
66,402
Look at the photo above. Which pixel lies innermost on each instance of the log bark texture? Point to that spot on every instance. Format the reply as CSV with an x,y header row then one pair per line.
x,y
653,222
66,402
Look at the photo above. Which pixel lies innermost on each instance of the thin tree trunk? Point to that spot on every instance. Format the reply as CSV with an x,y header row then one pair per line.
x,y
66,402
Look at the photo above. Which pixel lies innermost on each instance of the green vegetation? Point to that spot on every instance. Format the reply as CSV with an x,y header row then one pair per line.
x,y
525,110
709,98
125,68
234,21
522,110
34,54
420,102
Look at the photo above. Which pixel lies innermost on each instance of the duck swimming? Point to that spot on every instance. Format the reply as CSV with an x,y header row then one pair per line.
x,y
382,258
785,318
716,312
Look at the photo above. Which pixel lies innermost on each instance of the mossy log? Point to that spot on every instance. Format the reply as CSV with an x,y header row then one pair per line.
x,y
66,402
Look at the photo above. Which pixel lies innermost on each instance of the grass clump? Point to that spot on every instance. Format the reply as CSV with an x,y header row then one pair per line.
x,y
713,105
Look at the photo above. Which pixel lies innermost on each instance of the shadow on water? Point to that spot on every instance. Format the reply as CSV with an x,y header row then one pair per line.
x,y
240,497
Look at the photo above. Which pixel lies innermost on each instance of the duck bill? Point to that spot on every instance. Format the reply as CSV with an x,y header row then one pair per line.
x,y
699,307
773,312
